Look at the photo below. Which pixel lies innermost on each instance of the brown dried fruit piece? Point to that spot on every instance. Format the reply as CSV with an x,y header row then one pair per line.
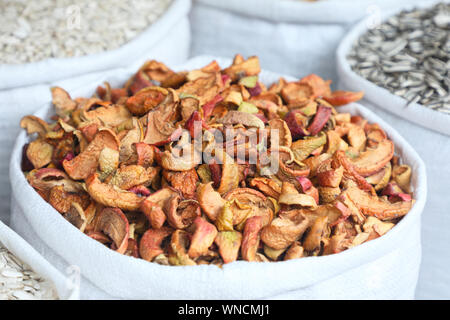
x,y
296,94
210,201
295,251
229,243
313,238
61,200
114,224
283,231
103,113
372,206
283,131
160,120
39,153
181,213
150,244
111,196
251,237
203,237
340,98
241,67
373,160
185,181
267,186
75,215
62,102
145,100
249,203
290,196
84,164
350,172
133,175
154,213
178,249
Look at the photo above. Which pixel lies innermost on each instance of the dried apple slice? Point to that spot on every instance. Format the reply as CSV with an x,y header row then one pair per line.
x,y
145,154
150,244
304,147
283,231
160,126
112,196
86,162
34,124
372,206
251,237
289,167
39,153
178,249
46,178
203,237
290,196
350,172
184,181
320,87
283,131
108,160
75,215
62,102
330,178
314,236
340,98
296,122
373,225
249,203
373,160
114,224
320,119
210,201
104,113
133,175
295,251
267,186
224,221
402,175
145,100
154,213
296,94
237,117
249,67
132,137
184,158
229,243
357,137
61,200
181,213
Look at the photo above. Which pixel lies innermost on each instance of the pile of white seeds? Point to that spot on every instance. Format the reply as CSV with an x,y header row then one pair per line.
x,y
409,55
19,282
34,30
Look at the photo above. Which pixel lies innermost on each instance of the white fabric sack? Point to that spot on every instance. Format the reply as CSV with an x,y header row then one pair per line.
x,y
382,97
168,40
385,268
156,41
26,253
292,37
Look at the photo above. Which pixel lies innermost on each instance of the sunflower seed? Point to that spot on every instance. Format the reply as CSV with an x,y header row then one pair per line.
x,y
409,55
18,281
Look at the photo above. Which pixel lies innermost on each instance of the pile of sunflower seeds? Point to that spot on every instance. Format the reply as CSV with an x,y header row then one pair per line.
x,y
33,30
19,282
409,55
